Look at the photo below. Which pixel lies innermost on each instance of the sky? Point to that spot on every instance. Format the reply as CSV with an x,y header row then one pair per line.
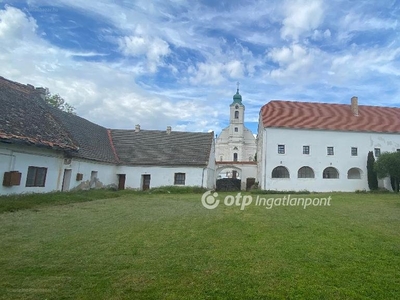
x,y
177,63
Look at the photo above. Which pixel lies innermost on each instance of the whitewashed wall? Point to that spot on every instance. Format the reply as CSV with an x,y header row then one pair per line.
x,y
106,175
162,176
19,158
318,160
14,158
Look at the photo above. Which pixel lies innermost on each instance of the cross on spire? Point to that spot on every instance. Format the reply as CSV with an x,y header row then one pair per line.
x,y
237,84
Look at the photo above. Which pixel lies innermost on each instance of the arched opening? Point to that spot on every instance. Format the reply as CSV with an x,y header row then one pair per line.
x,y
305,172
229,178
236,114
330,173
280,172
354,173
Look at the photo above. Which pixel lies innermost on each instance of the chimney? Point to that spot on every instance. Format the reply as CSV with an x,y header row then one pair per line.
x,y
42,92
137,128
168,129
354,105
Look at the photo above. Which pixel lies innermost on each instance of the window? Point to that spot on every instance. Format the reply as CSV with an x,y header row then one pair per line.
x,y
354,151
235,157
377,152
281,149
306,149
179,178
236,129
236,114
280,172
220,158
36,177
354,173
305,172
329,150
330,173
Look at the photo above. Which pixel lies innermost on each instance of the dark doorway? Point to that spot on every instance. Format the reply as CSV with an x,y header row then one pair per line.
x,y
234,174
250,182
145,182
121,181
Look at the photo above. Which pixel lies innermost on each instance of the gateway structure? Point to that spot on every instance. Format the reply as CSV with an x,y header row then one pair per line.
x,y
235,147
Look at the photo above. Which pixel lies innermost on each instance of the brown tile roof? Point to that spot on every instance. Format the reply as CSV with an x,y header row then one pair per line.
x,y
306,115
25,118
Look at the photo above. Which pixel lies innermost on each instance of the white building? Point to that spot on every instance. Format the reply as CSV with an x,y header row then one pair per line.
x,y
43,149
235,147
322,147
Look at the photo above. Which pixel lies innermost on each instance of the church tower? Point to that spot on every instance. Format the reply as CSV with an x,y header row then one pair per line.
x,y
236,143
236,120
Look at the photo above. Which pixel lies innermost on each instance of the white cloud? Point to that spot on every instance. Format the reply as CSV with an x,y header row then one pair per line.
x,y
215,73
293,61
301,17
16,26
153,48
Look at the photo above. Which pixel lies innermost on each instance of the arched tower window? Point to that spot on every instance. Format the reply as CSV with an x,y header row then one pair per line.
x,y
236,114
235,157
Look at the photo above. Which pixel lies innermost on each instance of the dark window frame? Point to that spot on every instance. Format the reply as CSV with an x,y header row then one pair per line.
x,y
306,149
280,172
330,150
179,178
354,151
305,172
36,177
281,149
377,152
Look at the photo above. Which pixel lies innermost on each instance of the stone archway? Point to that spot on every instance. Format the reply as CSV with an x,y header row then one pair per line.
x,y
228,178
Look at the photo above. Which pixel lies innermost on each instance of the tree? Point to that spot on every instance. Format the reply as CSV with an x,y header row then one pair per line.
x,y
372,176
388,164
58,102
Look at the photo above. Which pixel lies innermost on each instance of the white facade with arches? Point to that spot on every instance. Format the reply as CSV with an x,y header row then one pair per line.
x,y
319,160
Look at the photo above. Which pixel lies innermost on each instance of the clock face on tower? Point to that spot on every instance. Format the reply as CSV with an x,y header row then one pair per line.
x,y
237,106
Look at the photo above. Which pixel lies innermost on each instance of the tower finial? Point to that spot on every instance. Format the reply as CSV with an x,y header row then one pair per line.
x,y
237,84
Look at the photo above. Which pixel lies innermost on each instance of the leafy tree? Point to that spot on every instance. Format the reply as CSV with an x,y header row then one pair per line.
x,y
388,164
58,102
372,176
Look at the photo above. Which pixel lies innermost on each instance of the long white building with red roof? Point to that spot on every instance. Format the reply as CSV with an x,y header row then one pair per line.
x,y
322,147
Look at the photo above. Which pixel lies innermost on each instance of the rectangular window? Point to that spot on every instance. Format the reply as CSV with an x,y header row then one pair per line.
x,y
36,177
377,152
306,149
329,150
354,151
236,129
281,149
180,178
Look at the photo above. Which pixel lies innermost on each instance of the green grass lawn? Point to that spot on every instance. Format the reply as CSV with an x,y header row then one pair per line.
x,y
168,246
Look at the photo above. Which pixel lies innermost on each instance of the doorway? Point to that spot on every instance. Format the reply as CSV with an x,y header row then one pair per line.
x,y
145,181
66,180
121,181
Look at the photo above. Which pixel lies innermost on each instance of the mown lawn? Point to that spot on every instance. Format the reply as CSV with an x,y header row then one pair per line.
x,y
168,246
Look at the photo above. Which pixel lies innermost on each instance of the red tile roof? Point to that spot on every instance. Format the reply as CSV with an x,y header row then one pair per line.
x,y
306,115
